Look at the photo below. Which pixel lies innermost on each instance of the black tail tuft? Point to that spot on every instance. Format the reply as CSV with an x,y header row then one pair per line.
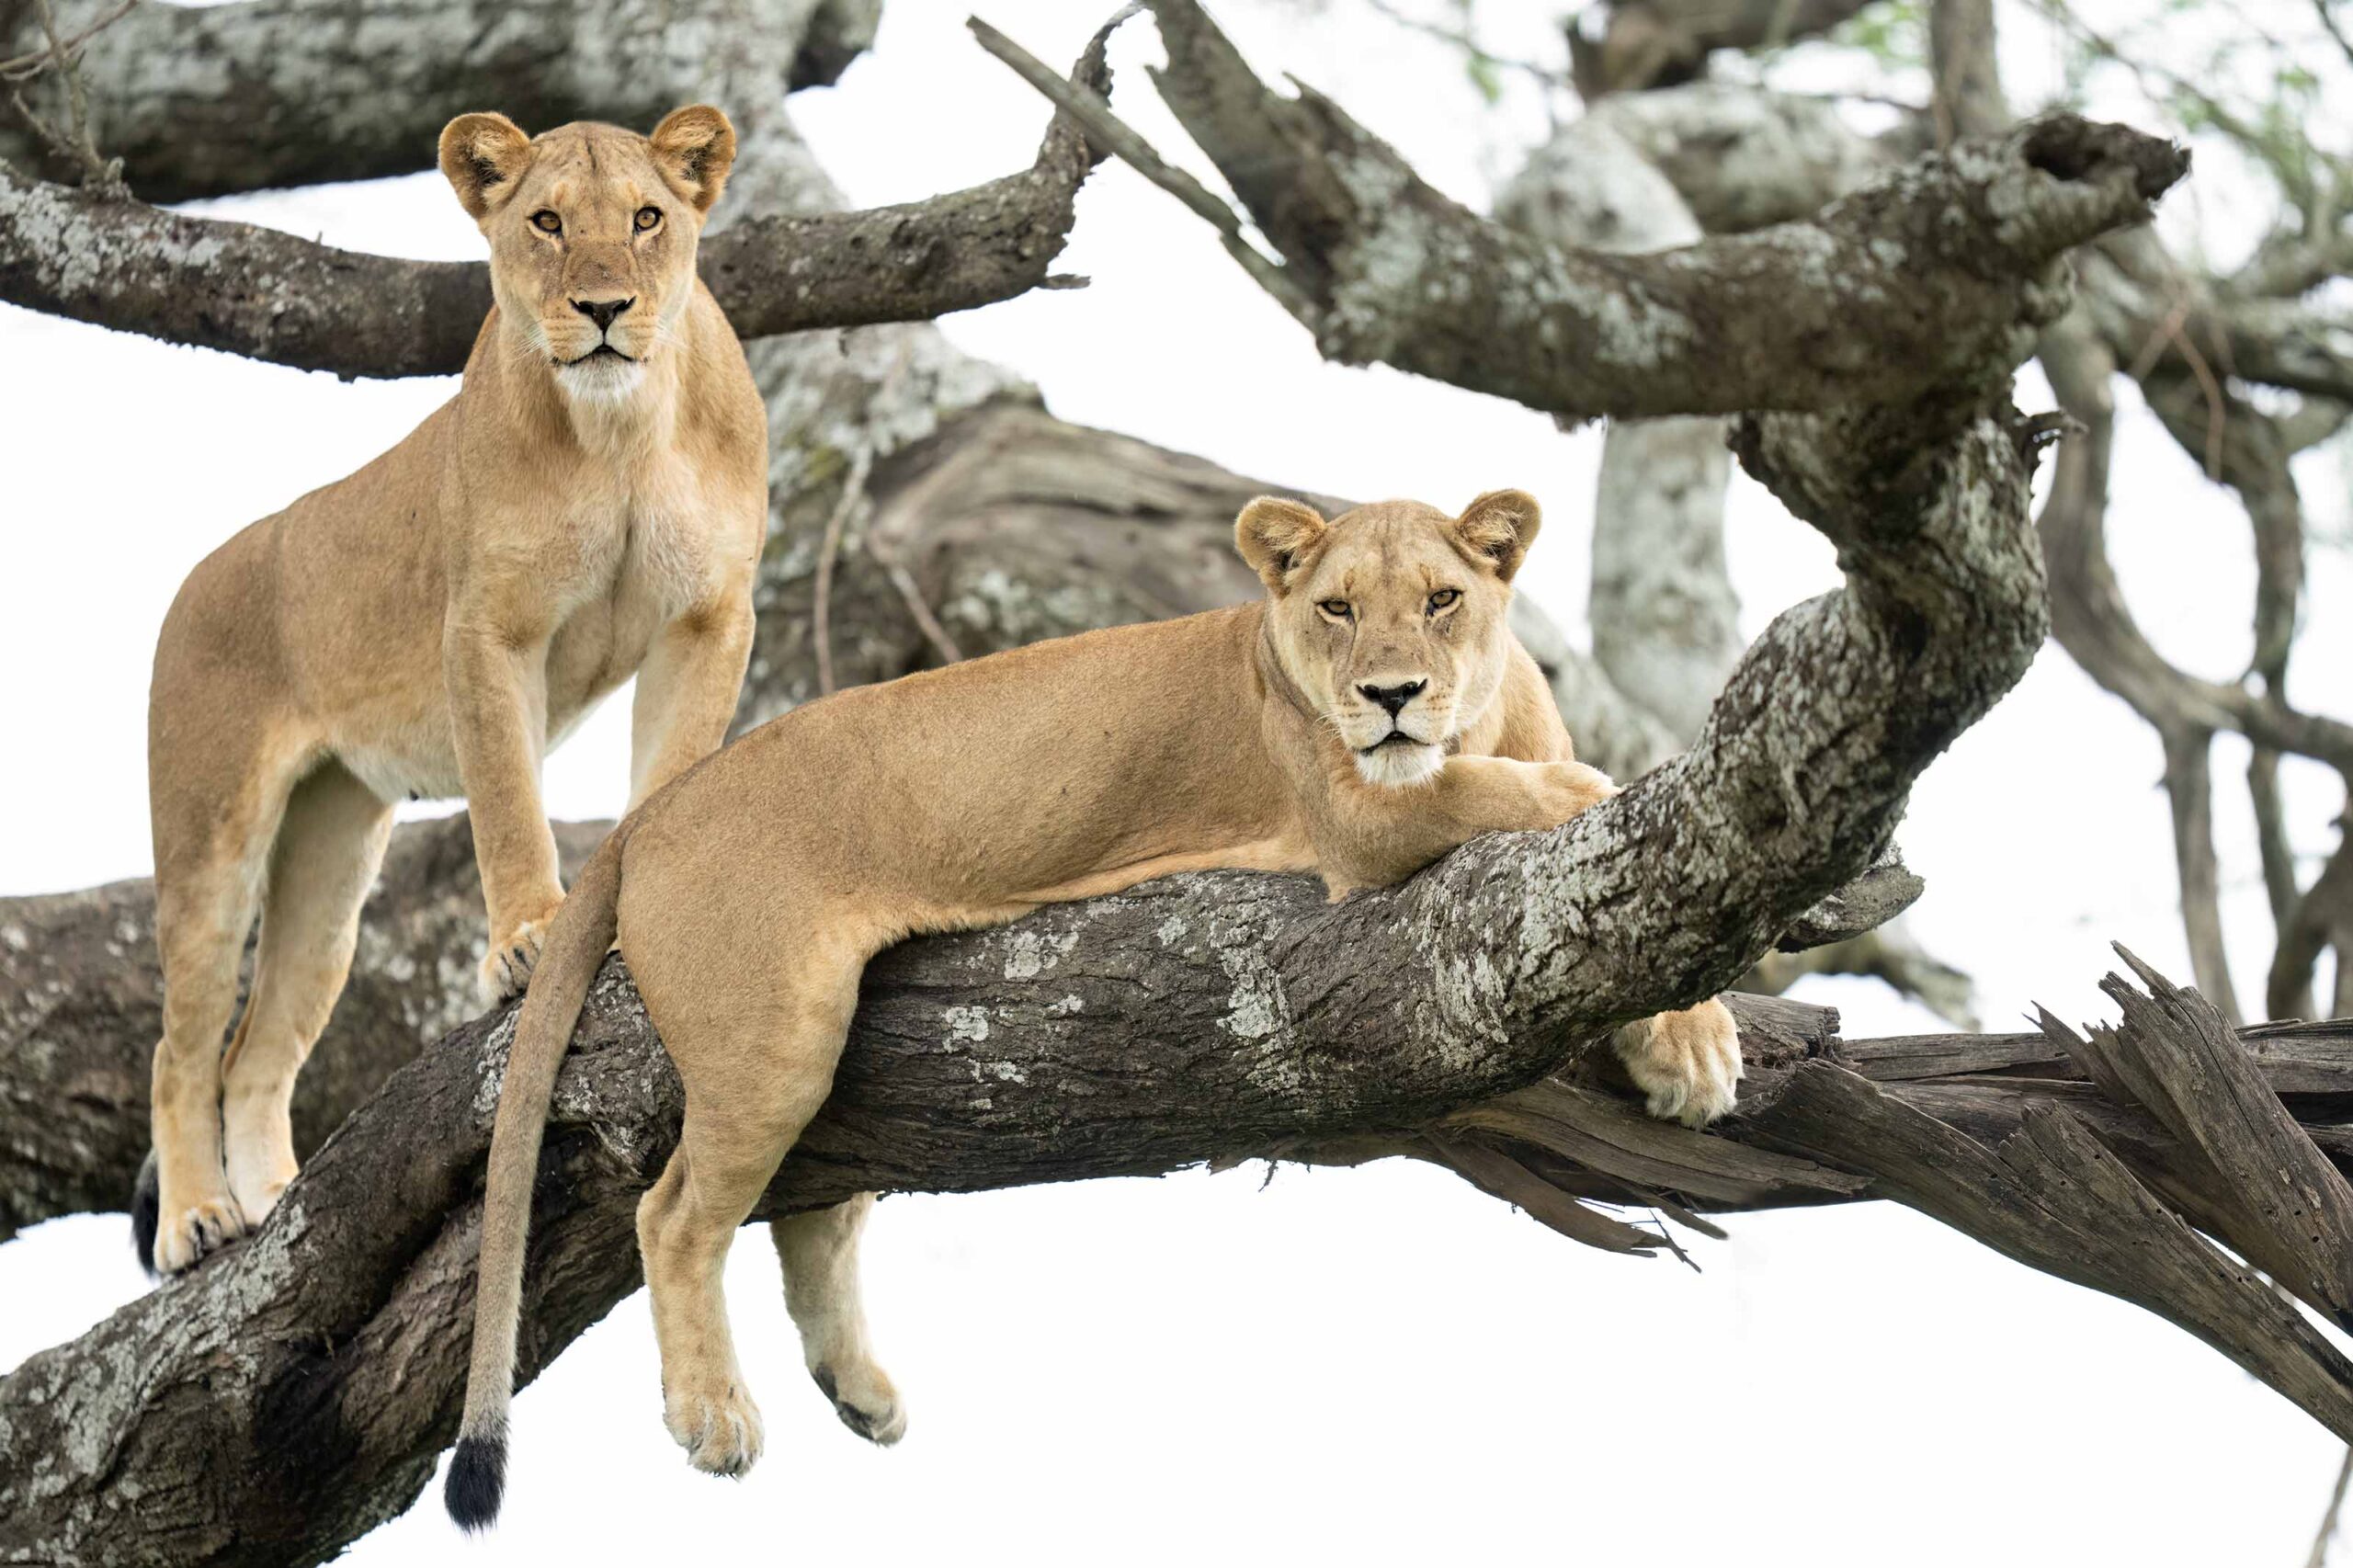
x,y
146,1213
477,1481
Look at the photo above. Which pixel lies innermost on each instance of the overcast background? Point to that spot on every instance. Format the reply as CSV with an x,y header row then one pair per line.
x,y
1379,1365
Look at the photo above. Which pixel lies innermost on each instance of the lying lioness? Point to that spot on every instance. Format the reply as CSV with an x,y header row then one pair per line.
x,y
1372,712
590,505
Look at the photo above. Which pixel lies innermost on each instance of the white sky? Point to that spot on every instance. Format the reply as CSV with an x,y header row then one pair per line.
x,y
1379,1365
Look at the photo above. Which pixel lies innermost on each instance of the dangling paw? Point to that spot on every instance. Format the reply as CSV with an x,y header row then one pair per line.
x,y
865,1400
1687,1064
720,1430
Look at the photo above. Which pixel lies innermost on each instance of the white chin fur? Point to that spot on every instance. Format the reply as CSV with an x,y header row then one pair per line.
x,y
604,381
1398,767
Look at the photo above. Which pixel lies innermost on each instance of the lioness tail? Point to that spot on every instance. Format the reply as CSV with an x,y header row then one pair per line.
x,y
575,947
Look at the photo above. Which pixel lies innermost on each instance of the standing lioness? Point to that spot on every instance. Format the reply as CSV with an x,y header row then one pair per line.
x,y
1370,714
590,505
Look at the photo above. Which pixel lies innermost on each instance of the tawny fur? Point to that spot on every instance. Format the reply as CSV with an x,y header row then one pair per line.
x,y
749,895
589,506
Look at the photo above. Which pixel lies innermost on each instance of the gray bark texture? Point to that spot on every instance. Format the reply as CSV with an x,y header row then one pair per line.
x,y
203,101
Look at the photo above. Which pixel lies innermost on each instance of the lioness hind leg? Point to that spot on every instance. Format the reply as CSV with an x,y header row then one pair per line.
x,y
819,1252
328,852
755,1064
210,850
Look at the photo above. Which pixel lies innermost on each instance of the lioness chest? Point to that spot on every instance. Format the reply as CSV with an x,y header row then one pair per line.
x,y
623,551
652,544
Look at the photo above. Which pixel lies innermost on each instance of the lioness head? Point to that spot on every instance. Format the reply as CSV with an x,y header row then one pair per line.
x,y
1390,618
592,232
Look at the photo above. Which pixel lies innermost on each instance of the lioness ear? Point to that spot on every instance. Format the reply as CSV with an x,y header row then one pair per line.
x,y
1501,525
482,156
1272,534
694,147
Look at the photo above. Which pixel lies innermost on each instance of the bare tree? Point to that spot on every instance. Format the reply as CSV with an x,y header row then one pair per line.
x,y
292,1393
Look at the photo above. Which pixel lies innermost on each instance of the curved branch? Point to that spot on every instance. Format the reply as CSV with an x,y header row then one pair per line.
x,y
1803,317
270,295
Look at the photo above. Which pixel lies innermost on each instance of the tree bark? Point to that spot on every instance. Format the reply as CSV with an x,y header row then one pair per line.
x,y
202,101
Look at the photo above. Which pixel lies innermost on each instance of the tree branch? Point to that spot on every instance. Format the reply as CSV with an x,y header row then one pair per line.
x,y
212,100
269,295
1803,317
1661,44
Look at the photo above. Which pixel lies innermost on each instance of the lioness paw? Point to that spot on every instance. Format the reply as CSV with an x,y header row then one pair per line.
x,y
507,969
721,1432
865,1399
186,1237
1687,1064
1576,788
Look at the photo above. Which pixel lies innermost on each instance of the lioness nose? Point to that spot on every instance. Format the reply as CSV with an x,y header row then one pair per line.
x,y
604,313
1393,697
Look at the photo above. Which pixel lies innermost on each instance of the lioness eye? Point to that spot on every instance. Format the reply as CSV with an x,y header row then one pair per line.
x,y
547,223
1336,609
1444,597
647,217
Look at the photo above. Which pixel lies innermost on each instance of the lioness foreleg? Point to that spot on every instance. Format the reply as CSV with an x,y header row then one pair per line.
x,y
819,1252
498,716
1386,833
1687,1064
686,692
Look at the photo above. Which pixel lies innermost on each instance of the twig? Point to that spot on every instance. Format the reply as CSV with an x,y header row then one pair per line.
x,y
821,613
1546,74
1107,130
2278,872
31,63
2336,1498
2189,785
2345,45
100,175
911,594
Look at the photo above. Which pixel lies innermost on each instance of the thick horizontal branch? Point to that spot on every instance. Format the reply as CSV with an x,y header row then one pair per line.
x,y
211,100
306,1378
270,295
81,1007
1926,277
